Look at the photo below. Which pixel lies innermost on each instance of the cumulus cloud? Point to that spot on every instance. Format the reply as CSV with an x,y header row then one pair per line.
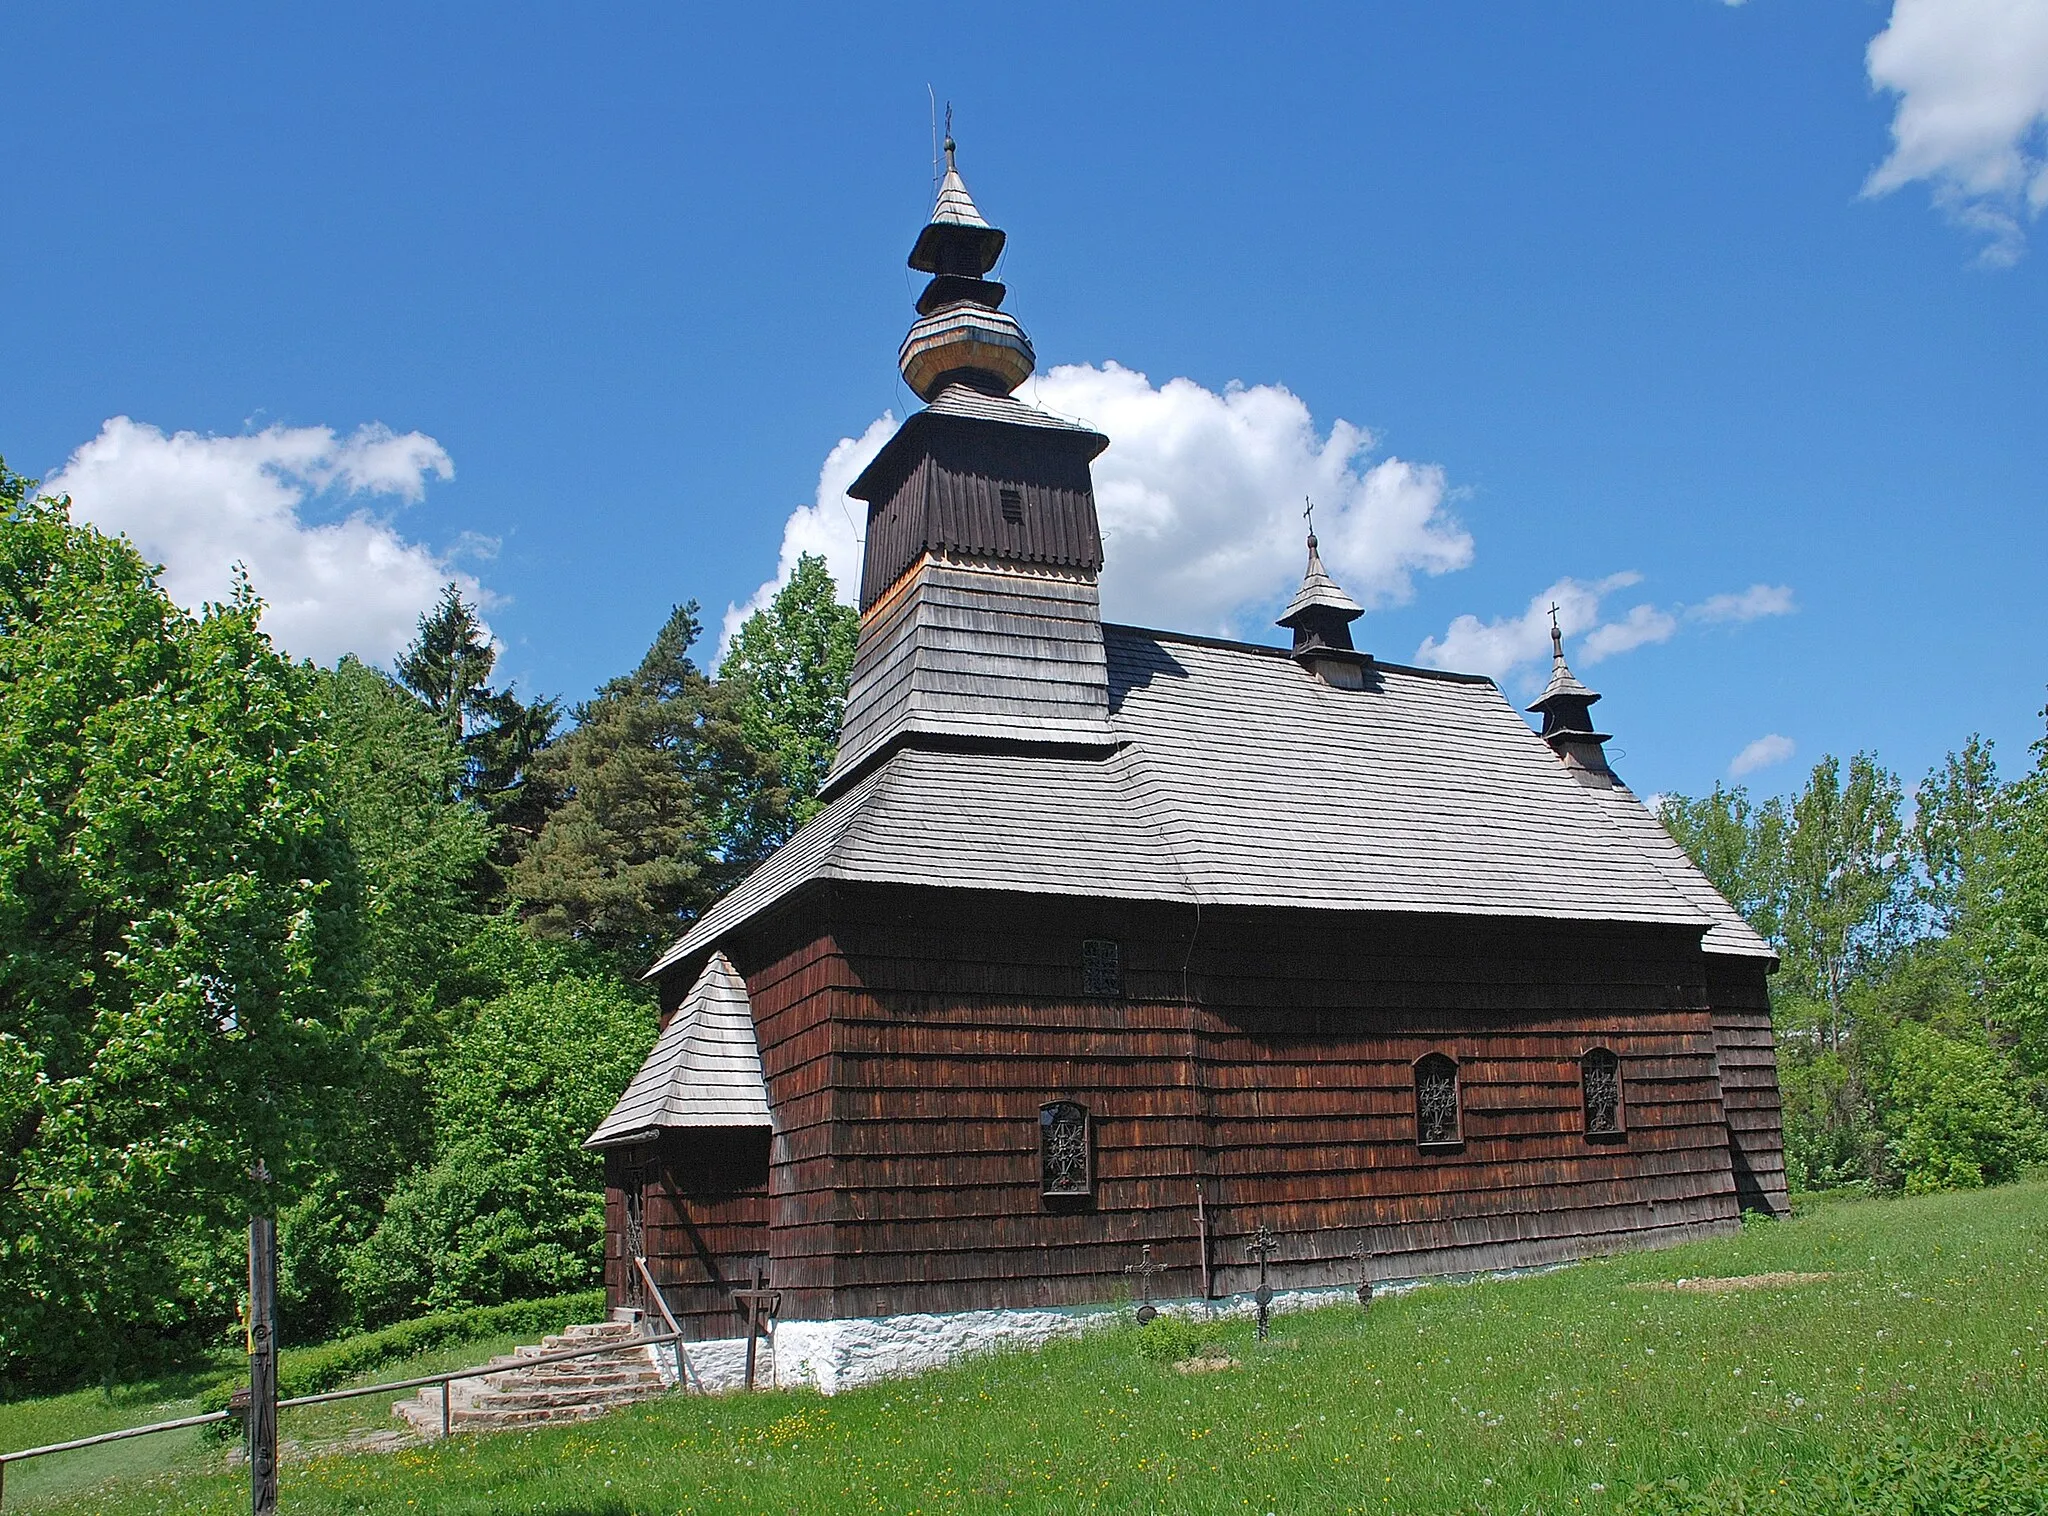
x,y
1971,78
1752,604
1200,496
831,525
201,504
1761,754
1506,644
1514,644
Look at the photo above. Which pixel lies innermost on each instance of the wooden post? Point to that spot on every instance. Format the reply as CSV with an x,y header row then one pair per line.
x,y
1202,1242
755,1303
262,1364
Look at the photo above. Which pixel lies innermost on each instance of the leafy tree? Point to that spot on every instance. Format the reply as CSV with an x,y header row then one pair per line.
x,y
448,667
2010,919
1958,1117
788,669
1954,831
1741,847
180,920
1847,885
512,1206
396,772
667,804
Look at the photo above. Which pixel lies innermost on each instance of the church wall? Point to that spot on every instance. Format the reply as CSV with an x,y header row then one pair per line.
x,y
707,1224
1741,998
1286,1093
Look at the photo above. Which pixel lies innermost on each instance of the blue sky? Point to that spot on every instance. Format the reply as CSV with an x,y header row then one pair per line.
x,y
1593,295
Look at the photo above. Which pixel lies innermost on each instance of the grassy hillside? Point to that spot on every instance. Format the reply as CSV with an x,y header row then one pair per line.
x,y
1907,1378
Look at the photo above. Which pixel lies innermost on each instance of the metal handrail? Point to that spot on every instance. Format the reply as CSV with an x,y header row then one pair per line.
x,y
683,1370
444,1380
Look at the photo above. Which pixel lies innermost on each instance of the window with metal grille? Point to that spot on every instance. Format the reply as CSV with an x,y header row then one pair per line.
x,y
1066,1150
1437,1123
1600,1083
1013,506
1102,969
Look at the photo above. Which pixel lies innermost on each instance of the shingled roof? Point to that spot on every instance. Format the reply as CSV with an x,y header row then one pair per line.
x,y
1240,779
704,1071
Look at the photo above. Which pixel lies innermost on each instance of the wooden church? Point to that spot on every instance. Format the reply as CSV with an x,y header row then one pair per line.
x,y
1111,939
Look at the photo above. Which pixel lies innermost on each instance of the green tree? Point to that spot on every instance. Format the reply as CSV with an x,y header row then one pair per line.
x,y
512,1206
2010,914
1958,1116
667,804
1741,846
448,666
396,774
1955,833
1848,885
180,921
788,669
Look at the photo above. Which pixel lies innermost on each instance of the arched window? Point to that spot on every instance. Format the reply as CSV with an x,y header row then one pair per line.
x,y
1600,1083
1437,1122
1066,1150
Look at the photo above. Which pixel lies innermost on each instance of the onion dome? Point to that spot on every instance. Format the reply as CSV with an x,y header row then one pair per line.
x,y
1320,614
962,335
1566,707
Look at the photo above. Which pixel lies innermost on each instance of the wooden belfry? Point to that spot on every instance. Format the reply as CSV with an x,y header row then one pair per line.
x,y
1108,939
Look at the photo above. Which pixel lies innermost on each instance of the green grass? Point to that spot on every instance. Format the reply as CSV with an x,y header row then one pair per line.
x,y
1909,1381
428,1345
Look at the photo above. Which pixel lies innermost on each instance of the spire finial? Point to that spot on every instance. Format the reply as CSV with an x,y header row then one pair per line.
x,y
951,166
1556,636
1308,512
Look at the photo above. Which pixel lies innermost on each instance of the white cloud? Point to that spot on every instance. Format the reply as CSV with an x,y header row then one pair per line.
x,y
1509,644
1752,604
1761,754
1972,116
831,525
1501,646
1200,496
200,504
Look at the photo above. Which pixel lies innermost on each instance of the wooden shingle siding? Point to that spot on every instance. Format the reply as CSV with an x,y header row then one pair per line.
x,y
907,1169
938,488
1749,1082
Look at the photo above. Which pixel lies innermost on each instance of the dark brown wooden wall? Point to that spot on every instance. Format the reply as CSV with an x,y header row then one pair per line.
x,y
911,1035
1741,998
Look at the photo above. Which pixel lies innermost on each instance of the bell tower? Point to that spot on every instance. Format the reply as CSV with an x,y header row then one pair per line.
x,y
980,617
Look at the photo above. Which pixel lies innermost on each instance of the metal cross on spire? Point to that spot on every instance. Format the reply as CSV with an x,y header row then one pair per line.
x,y
1556,636
1308,512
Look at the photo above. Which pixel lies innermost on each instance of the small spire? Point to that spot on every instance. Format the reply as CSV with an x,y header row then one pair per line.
x,y
1320,614
1566,707
962,335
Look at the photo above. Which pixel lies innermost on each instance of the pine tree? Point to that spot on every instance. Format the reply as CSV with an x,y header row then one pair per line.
x,y
666,805
448,667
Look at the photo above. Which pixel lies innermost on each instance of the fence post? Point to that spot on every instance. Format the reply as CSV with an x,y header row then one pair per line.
x,y
262,1363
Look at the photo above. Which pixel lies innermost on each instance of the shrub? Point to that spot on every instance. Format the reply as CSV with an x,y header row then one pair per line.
x,y
1959,1116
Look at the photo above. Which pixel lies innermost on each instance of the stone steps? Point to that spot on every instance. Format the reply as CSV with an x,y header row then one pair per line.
x,y
515,1393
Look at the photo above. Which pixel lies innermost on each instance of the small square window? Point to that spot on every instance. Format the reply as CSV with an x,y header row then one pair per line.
x,y
1013,505
1102,969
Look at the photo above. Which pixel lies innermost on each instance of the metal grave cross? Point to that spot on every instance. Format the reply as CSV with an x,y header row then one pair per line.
x,y
1145,1268
1262,1247
760,1306
1363,1257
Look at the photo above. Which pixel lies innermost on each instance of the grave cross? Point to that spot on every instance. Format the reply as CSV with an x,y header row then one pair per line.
x,y
1145,1268
1363,1256
1262,1247
760,1306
